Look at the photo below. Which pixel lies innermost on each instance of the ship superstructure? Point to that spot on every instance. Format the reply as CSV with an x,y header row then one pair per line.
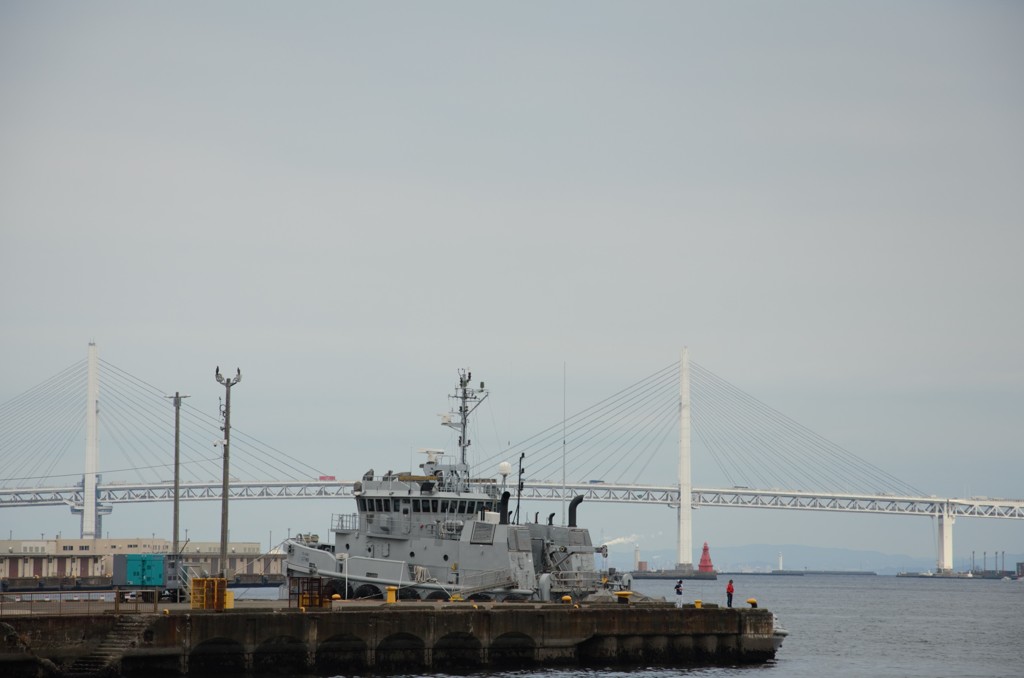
x,y
440,533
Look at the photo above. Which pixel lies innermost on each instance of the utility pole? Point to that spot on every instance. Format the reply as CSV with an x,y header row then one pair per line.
x,y
228,383
519,491
175,549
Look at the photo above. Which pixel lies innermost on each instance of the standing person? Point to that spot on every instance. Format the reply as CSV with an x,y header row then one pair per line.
x,y
729,590
679,593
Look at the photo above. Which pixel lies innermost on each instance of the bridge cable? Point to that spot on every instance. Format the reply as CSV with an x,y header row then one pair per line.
x,y
836,458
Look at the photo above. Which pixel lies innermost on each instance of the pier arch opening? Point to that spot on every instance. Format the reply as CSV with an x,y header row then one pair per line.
x,y
513,649
217,656
458,650
400,652
341,654
148,666
283,655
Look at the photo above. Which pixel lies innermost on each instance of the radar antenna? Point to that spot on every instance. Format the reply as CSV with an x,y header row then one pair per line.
x,y
469,399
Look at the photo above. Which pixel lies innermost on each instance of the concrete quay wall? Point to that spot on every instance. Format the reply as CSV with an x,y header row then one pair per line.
x,y
394,638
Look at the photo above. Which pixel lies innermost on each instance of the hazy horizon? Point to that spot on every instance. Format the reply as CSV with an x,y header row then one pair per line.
x,y
351,201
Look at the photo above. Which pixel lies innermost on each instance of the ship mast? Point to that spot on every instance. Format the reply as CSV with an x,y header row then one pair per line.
x,y
469,399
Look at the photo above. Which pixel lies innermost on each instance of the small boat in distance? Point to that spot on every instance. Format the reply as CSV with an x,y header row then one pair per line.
x,y
440,533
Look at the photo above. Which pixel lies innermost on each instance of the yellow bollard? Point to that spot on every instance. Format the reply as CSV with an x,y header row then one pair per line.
x,y
623,596
566,599
392,594
752,602
698,604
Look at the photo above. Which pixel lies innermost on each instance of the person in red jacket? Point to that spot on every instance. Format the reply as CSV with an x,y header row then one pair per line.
x,y
729,590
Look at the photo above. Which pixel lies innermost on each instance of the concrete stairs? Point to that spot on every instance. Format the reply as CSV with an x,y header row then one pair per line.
x,y
108,653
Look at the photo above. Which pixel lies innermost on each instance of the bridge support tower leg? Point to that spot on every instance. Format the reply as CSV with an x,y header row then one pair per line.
x,y
91,510
946,520
685,553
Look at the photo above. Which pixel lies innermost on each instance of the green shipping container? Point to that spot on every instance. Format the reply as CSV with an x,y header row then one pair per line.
x,y
138,569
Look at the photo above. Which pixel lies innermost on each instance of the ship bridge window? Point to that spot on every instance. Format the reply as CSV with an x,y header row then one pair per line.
x,y
444,506
387,505
462,507
362,504
415,505
433,505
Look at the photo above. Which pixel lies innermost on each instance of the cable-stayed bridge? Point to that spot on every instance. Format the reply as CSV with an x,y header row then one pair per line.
x,y
131,493
616,441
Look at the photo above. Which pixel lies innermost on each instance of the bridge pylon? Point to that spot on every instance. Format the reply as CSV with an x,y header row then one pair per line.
x,y
946,518
90,509
684,560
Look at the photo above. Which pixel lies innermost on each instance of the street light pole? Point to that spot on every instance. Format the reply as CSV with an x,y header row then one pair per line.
x,y
228,383
177,487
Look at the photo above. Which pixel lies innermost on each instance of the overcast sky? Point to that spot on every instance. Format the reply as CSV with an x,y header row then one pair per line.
x,y
349,201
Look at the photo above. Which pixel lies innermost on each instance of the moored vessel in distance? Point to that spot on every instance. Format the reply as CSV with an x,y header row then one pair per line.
x,y
984,574
705,570
674,574
439,532
857,573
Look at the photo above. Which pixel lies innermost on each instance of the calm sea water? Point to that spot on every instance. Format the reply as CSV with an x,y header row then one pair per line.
x,y
860,626
882,626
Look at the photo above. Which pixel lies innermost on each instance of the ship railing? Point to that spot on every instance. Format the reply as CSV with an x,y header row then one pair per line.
x,y
488,486
575,580
345,522
446,482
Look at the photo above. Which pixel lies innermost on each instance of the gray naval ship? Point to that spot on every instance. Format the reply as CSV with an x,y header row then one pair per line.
x,y
440,533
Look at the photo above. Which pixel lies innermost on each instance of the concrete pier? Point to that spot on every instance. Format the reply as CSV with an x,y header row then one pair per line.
x,y
382,638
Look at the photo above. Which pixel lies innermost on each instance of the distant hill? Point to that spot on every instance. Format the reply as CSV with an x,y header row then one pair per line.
x,y
765,557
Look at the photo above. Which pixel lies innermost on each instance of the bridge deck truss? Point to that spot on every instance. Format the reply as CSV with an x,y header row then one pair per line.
x,y
975,507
